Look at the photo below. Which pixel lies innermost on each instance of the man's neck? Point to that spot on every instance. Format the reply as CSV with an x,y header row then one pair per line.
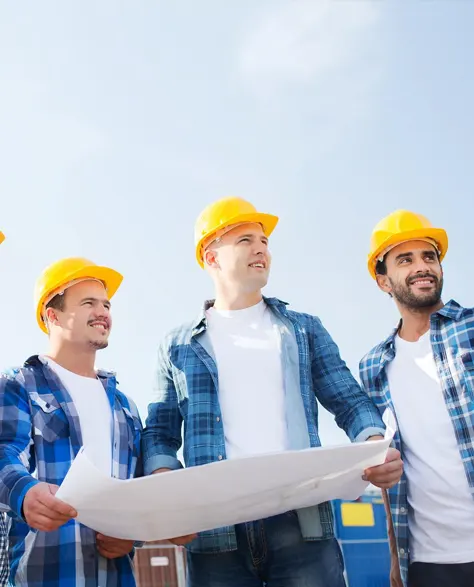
x,y
416,322
74,360
236,301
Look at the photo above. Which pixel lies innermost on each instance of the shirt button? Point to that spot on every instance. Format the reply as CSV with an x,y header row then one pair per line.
x,y
402,551
220,457
402,510
218,419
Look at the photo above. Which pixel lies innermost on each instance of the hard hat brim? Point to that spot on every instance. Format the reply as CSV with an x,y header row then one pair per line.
x,y
111,279
437,234
2,237
268,222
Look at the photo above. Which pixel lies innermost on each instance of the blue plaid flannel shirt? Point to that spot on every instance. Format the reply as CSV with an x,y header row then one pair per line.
x,y
452,341
4,562
40,433
186,390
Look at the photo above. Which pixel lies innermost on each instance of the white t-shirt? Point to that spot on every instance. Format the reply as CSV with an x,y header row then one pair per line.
x,y
441,507
246,346
95,415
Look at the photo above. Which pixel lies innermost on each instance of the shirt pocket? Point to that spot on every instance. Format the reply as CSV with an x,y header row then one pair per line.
x,y
49,420
467,373
134,432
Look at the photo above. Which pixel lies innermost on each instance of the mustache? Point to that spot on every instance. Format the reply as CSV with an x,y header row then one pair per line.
x,y
426,275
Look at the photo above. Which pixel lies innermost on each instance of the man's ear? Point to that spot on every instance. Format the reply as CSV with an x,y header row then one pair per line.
x,y
50,316
384,284
210,258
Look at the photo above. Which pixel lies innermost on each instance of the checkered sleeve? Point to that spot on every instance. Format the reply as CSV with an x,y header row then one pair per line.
x,y
4,558
15,440
339,392
161,438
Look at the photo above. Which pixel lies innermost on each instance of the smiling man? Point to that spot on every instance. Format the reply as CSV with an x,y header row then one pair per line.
x,y
425,372
49,408
244,377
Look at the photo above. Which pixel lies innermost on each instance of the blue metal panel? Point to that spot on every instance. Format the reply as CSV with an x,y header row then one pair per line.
x,y
365,548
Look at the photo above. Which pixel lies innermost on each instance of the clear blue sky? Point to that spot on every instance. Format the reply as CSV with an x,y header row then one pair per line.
x,y
119,121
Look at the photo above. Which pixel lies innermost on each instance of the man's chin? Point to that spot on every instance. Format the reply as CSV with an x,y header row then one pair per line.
x,y
261,282
98,345
421,301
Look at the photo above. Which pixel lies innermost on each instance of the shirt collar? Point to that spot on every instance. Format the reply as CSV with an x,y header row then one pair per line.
x,y
38,361
451,310
200,322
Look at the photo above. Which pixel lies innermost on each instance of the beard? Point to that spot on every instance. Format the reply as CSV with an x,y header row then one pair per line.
x,y
98,345
405,296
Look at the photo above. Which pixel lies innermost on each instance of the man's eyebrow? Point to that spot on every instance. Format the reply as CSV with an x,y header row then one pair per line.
x,y
92,299
263,237
410,253
403,255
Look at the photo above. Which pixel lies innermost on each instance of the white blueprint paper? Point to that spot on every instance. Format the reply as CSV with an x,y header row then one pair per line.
x,y
201,498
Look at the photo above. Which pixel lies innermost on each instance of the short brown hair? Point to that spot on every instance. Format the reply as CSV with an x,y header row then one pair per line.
x,y
58,302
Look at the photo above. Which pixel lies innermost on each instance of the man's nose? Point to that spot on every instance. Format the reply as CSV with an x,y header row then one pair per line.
x,y
421,266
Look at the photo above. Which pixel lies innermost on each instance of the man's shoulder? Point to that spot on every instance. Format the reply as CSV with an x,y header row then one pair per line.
x,y
310,323
20,375
303,318
370,364
374,355
460,312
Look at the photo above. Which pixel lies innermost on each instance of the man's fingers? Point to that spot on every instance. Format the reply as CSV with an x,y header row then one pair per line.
x,y
393,455
181,540
113,546
41,510
388,468
56,505
106,553
44,523
110,539
104,539
117,542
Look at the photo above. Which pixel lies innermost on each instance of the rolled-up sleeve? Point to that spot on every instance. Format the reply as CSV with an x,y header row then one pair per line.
x,y
338,391
161,438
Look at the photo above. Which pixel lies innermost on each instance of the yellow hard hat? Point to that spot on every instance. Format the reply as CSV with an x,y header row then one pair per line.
x,y
2,237
401,226
225,213
57,276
